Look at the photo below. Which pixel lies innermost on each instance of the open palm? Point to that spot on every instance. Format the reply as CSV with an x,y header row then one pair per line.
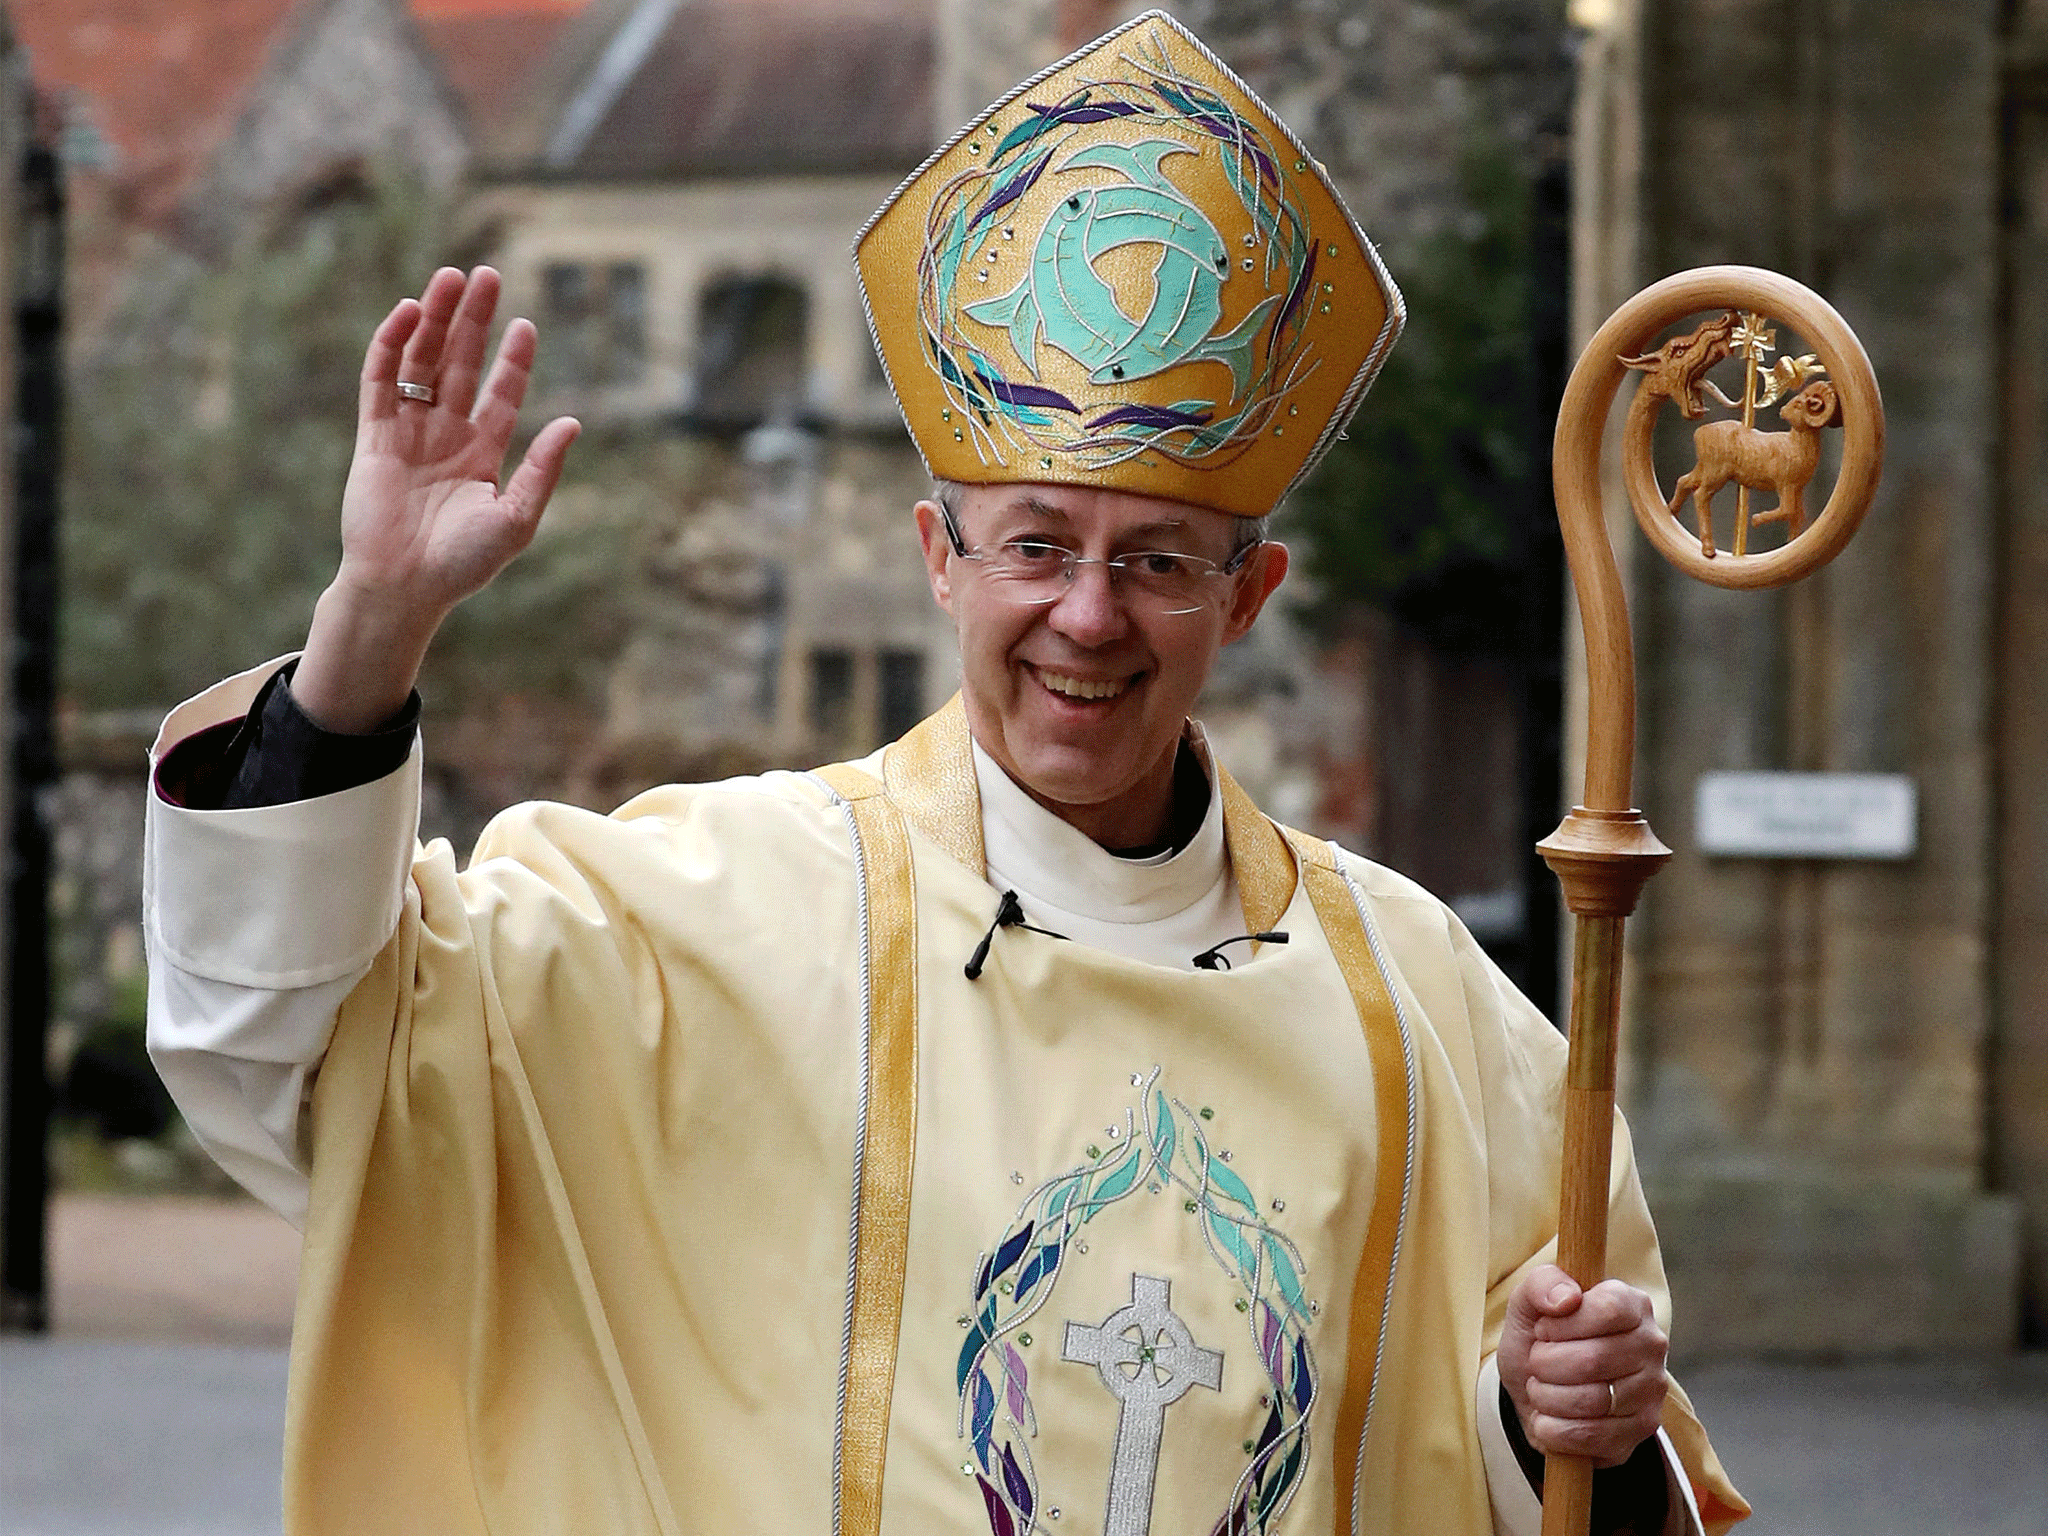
x,y
425,519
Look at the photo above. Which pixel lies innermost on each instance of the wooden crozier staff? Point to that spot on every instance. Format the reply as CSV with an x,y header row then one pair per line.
x,y
1604,851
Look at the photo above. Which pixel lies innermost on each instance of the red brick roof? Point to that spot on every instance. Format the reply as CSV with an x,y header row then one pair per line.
x,y
490,50
158,80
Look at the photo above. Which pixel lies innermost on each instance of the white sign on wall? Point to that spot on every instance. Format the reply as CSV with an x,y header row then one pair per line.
x,y
1807,815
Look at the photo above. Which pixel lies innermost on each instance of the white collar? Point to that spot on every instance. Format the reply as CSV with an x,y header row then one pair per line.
x,y
1032,851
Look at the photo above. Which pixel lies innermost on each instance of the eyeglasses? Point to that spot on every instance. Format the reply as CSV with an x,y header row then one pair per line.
x,y
1037,572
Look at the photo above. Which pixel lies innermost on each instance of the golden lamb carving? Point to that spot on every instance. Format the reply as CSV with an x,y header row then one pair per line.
x,y
1782,462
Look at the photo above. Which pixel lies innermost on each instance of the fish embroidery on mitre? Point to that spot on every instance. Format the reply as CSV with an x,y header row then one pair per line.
x,y
1127,273
1161,1150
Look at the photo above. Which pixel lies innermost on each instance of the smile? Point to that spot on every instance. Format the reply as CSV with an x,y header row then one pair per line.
x,y
1081,687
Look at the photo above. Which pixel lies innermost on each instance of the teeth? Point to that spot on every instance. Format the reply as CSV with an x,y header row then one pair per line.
x,y
1081,688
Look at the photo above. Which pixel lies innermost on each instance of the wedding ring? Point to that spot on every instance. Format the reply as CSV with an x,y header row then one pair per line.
x,y
1611,1411
424,393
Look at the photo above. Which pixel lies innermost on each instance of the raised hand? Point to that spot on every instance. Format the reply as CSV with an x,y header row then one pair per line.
x,y
425,521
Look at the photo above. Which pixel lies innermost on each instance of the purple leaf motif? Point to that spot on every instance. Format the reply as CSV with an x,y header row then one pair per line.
x,y
1013,189
1300,291
1269,1344
1157,417
1015,1482
1027,395
1015,1383
1083,111
999,1520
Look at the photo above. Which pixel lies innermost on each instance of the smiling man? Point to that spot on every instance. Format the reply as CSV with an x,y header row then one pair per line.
x,y
1012,1131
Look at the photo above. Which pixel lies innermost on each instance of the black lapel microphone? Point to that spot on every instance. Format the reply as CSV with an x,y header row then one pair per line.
x,y
1216,960
1009,914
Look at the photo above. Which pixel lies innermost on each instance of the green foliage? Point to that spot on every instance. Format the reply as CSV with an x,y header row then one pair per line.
x,y
208,445
1417,509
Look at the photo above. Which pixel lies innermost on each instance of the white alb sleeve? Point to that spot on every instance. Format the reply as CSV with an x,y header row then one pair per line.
x,y
257,924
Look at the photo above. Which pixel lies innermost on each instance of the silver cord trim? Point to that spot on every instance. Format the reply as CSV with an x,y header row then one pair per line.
x,y
860,1141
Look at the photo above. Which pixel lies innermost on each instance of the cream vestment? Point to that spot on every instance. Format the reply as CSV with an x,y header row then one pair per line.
x,y
669,1175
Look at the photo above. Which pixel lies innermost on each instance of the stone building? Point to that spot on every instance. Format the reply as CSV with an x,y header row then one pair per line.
x,y
1840,1068
675,203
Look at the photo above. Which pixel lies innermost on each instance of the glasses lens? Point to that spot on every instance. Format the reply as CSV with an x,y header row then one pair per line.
x,y
1163,578
1155,580
1026,571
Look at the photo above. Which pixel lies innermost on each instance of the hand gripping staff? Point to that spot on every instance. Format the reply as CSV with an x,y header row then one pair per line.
x,y
1604,852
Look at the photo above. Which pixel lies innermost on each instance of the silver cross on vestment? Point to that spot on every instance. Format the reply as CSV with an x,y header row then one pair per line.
x,y
1149,1361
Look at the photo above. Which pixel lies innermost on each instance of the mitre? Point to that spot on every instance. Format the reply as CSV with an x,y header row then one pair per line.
x,y
1127,273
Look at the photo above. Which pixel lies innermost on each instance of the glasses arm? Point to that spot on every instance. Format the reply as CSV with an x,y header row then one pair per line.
x,y
953,531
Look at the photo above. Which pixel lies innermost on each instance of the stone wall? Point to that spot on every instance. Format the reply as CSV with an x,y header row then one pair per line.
x,y
2019,1058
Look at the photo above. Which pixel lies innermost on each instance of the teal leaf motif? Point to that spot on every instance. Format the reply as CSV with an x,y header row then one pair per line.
x,y
1228,1235
1231,1185
1285,1277
1163,1131
1121,1179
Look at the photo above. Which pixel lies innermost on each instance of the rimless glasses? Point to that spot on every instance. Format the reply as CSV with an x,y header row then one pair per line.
x,y
1037,572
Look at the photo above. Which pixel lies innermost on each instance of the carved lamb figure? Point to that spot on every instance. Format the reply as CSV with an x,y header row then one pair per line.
x,y
1764,461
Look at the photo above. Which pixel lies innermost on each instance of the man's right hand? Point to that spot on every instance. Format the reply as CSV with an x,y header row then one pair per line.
x,y
424,522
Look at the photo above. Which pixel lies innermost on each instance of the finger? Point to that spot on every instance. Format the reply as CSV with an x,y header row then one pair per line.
x,y
1612,1306
462,356
1544,1293
1641,1391
497,409
533,482
438,300
376,399
1608,1358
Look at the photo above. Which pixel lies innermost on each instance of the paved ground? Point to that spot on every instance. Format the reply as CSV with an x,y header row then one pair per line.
x,y
171,1268
112,1429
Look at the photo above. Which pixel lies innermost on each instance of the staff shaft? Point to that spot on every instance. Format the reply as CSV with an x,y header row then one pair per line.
x,y
1588,1157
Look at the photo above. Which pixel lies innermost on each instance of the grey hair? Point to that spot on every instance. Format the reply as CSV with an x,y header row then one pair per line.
x,y
1248,533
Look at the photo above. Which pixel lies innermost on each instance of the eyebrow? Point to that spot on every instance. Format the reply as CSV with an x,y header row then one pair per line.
x,y
1038,507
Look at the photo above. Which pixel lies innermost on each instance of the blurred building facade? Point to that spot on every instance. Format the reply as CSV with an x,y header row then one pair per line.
x,y
1838,1073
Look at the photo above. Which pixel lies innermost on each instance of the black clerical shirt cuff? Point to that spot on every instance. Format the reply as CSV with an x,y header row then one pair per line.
x,y
275,754
1629,1500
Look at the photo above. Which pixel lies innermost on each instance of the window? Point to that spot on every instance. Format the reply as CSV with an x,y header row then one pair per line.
x,y
594,323
860,698
751,343
902,691
831,711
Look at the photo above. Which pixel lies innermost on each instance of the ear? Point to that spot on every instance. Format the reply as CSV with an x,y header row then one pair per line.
x,y
1262,572
931,534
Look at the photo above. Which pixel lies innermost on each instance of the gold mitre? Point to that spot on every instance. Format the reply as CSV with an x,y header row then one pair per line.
x,y
1127,273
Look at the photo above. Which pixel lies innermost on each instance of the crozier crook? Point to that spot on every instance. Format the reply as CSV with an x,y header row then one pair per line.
x,y
1604,851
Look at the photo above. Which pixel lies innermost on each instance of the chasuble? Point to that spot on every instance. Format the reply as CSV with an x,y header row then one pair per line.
x,y
669,1174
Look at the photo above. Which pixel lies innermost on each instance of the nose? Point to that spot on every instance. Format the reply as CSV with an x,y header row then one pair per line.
x,y
1089,612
